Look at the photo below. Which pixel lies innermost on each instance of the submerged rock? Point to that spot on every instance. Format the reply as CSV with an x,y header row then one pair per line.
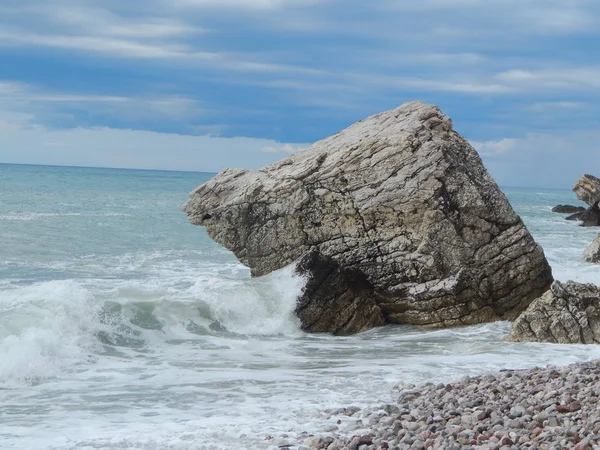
x,y
568,209
589,217
592,252
393,220
569,313
575,216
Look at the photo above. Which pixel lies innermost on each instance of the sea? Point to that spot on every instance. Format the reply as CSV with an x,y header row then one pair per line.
x,y
122,326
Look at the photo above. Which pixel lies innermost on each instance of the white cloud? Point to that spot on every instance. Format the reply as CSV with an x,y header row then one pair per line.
x,y
245,4
96,29
33,103
572,78
282,148
491,148
445,84
553,106
109,147
104,45
532,16
24,140
551,159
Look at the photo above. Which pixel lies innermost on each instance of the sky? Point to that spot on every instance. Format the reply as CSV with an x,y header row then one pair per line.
x,y
202,85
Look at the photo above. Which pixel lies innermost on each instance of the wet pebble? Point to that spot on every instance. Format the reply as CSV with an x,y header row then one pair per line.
x,y
535,409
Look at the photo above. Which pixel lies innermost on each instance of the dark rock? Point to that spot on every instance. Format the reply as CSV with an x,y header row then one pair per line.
x,y
568,209
335,299
589,218
575,216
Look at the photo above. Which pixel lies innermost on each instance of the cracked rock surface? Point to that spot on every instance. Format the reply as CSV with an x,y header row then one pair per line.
x,y
587,189
569,313
393,220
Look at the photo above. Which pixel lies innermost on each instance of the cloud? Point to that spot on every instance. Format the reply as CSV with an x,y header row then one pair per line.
x,y
508,72
557,106
106,147
94,28
552,159
35,105
493,148
282,148
25,140
572,78
245,4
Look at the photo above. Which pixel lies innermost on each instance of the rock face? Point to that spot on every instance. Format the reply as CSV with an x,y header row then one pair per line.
x,y
587,189
592,252
568,209
568,313
393,220
589,217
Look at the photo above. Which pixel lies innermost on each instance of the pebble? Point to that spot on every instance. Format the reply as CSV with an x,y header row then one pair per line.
x,y
540,408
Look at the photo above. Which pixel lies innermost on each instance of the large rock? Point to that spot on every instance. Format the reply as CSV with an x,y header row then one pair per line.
x,y
568,313
587,189
592,252
393,220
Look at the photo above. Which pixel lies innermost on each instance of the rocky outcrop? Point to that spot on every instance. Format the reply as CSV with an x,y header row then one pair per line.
x,y
568,209
393,220
587,189
588,217
592,252
569,313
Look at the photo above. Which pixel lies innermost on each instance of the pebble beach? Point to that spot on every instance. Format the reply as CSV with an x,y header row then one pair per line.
x,y
543,408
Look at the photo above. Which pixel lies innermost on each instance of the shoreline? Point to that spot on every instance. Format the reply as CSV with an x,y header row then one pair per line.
x,y
540,408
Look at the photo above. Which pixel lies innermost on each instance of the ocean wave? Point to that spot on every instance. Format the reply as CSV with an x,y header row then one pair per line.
x,y
49,328
44,330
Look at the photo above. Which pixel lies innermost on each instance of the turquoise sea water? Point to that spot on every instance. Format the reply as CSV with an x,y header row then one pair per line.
x,y
122,326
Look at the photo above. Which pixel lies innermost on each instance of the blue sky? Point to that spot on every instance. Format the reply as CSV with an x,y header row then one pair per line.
x,y
208,84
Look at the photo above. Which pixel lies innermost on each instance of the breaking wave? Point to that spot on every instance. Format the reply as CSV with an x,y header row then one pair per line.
x,y
52,327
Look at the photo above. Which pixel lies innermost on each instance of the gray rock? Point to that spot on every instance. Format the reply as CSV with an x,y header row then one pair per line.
x,y
568,313
592,252
588,218
587,189
568,209
393,220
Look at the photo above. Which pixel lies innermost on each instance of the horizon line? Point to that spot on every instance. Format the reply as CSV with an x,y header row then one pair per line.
x,y
105,168
215,173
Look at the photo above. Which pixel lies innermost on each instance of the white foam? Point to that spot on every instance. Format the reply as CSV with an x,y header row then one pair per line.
x,y
260,306
45,329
